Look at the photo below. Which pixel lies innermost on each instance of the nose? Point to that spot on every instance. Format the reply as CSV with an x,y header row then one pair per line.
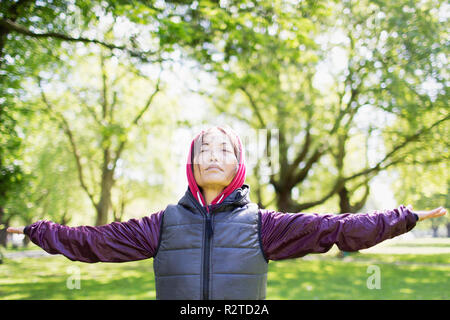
x,y
214,155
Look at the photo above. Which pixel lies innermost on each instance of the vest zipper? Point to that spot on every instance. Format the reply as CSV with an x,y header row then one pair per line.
x,y
206,256
206,248
208,232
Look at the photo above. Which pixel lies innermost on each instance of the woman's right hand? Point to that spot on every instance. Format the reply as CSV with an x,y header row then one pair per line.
x,y
18,230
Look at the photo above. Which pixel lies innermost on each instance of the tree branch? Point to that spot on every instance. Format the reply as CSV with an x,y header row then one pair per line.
x,y
395,149
358,205
254,107
104,101
136,120
65,125
298,207
377,168
301,175
14,27
86,105
302,154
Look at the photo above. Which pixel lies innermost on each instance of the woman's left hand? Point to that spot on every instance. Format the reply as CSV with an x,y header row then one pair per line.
x,y
438,212
18,230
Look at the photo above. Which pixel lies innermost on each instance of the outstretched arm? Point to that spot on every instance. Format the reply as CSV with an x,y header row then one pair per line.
x,y
135,239
286,236
422,215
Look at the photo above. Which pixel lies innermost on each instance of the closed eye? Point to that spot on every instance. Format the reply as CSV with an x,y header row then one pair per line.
x,y
225,150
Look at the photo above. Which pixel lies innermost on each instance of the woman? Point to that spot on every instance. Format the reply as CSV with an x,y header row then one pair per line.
x,y
215,243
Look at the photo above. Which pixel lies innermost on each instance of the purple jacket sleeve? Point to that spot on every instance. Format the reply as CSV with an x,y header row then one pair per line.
x,y
286,236
135,239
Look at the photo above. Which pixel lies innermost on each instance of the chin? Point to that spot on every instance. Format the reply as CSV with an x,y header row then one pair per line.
x,y
215,183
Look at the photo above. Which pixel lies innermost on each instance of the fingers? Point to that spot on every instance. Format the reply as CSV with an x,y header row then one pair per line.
x,y
18,230
440,212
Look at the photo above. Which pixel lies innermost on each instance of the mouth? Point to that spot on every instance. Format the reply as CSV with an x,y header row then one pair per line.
x,y
213,167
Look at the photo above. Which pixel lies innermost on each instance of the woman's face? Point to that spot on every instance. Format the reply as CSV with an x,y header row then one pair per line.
x,y
215,163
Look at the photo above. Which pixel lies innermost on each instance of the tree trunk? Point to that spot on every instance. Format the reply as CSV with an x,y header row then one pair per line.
x,y
25,241
104,204
65,219
5,224
284,201
345,207
435,231
3,237
448,229
344,201
119,212
103,208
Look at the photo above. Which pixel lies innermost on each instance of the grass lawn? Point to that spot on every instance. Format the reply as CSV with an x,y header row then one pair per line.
x,y
402,276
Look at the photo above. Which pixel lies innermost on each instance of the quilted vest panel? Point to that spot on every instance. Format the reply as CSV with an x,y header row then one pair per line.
x,y
226,262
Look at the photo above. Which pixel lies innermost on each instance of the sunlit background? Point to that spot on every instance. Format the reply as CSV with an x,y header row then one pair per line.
x,y
101,100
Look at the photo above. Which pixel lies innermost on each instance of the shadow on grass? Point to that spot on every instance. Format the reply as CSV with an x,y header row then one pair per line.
x,y
297,279
47,279
336,280
126,288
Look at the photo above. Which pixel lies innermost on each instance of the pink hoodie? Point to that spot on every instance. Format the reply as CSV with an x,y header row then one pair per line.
x,y
237,181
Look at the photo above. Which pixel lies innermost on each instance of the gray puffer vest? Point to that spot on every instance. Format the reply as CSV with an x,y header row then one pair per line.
x,y
211,256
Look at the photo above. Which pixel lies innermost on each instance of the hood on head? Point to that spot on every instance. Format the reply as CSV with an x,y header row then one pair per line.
x,y
236,183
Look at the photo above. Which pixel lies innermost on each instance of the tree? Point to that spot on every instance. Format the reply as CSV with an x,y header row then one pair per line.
x,y
111,111
37,39
424,186
275,84
18,58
